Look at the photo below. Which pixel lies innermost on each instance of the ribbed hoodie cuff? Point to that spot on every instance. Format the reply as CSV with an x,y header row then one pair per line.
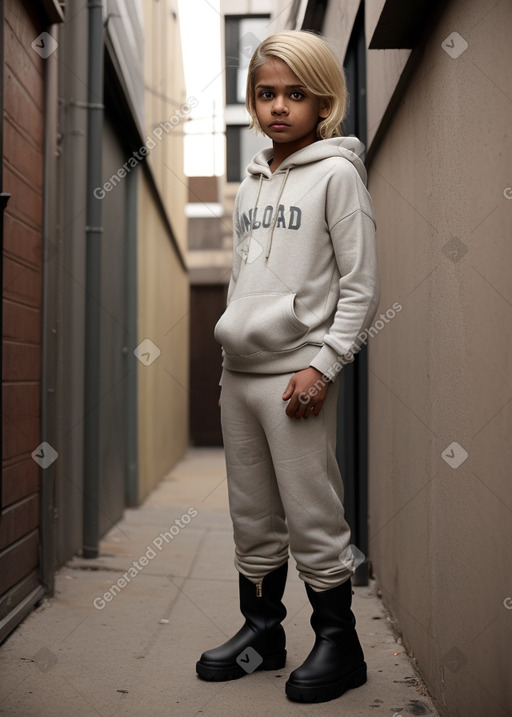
x,y
328,362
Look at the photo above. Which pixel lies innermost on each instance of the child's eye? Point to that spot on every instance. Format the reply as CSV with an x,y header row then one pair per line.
x,y
297,95
266,94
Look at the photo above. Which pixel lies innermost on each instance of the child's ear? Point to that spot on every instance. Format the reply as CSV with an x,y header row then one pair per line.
x,y
325,109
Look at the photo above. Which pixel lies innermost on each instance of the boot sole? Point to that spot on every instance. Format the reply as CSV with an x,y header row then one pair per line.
x,y
235,672
325,693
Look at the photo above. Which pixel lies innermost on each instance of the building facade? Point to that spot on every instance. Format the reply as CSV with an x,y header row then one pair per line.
x,y
24,570
438,97
95,285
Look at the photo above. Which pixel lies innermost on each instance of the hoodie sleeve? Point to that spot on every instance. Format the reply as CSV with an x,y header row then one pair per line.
x,y
353,241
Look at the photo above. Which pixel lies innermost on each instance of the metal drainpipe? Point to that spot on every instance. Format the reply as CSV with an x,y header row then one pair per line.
x,y
131,449
93,231
48,341
4,198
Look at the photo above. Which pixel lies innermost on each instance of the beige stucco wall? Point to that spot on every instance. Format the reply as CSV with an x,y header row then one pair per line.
x,y
441,370
166,108
163,286
163,318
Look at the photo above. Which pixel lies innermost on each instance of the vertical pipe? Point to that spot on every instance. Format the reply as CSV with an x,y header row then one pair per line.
x,y
130,409
93,282
362,575
4,198
353,403
48,319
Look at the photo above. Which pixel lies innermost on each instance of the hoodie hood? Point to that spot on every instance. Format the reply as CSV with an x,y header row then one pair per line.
x,y
349,147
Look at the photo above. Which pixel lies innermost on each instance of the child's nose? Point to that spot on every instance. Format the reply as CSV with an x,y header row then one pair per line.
x,y
279,105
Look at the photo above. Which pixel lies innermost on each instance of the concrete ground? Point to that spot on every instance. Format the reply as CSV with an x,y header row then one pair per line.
x,y
134,653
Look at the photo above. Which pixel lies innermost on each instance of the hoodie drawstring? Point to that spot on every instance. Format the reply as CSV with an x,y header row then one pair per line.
x,y
253,212
274,220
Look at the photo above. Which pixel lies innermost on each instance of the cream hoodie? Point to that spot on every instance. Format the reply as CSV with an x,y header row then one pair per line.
x,y
305,280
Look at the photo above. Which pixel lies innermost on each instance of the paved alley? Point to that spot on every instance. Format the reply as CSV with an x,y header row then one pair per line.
x,y
100,649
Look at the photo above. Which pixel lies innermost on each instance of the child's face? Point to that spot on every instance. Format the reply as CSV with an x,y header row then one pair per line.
x,y
286,110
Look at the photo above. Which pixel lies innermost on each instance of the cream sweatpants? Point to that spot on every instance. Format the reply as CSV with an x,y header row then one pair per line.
x,y
284,485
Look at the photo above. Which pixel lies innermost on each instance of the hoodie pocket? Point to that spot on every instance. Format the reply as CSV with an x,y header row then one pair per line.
x,y
260,322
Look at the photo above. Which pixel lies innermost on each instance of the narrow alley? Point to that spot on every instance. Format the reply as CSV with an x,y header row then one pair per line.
x,y
98,650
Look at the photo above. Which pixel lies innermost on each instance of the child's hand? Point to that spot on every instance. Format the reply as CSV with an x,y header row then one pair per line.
x,y
306,392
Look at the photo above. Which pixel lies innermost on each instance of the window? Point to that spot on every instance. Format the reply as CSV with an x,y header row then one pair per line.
x,y
241,146
243,35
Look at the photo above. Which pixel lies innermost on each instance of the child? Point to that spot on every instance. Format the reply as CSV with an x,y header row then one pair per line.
x,y
304,285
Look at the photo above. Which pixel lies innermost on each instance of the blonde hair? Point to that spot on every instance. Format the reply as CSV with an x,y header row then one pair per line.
x,y
316,66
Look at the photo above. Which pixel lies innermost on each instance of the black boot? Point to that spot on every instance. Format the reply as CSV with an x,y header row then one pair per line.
x,y
260,643
336,662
